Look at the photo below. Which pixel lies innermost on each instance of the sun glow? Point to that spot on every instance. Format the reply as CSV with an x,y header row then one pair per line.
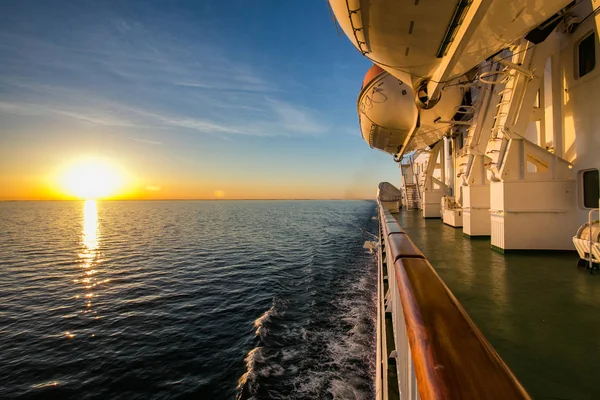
x,y
92,179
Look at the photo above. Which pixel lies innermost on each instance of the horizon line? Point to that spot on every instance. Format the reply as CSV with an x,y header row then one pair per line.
x,y
265,199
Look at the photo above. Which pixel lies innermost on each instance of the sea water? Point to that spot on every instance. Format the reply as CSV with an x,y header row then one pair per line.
x,y
187,299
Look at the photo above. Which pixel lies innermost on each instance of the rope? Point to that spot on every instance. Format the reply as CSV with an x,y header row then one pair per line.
x,y
332,15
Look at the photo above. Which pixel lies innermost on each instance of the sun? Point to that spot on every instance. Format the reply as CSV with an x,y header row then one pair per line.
x,y
92,179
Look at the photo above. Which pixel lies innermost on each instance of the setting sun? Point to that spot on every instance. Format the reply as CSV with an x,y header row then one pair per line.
x,y
92,179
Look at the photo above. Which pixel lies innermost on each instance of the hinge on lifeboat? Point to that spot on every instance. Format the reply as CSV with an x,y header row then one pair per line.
x,y
397,157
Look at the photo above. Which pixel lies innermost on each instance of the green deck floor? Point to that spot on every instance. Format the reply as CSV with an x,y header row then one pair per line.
x,y
539,311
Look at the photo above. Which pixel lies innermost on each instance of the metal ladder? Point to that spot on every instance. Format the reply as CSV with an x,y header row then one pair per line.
x,y
412,201
511,108
498,138
411,192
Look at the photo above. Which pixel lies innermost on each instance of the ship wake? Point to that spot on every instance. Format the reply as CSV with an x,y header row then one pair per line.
x,y
317,339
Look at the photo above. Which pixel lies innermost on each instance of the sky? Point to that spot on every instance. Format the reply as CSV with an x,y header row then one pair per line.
x,y
197,99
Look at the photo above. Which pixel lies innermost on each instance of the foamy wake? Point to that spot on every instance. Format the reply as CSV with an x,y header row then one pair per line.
x,y
260,322
349,370
319,356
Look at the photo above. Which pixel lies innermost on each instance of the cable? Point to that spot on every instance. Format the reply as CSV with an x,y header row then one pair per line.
x,y
587,16
332,15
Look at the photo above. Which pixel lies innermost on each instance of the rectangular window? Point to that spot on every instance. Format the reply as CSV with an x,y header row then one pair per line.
x,y
586,55
591,188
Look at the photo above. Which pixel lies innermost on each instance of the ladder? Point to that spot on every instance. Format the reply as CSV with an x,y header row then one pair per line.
x,y
523,77
483,119
412,197
520,87
411,192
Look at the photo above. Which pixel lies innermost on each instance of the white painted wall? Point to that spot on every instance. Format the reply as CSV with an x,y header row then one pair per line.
x,y
580,105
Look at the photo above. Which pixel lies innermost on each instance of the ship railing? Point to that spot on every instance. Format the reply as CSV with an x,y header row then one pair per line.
x,y
428,346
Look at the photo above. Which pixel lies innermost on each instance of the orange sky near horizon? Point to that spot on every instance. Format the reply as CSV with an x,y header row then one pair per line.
x,y
25,185
32,172
35,189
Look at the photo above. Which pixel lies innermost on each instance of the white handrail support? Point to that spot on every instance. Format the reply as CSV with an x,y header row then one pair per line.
x,y
590,256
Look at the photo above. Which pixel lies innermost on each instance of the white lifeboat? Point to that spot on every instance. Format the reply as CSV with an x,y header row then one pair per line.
x,y
390,119
423,37
387,111
389,196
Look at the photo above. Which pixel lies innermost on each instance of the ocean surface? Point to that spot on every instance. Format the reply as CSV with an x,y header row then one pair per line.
x,y
187,299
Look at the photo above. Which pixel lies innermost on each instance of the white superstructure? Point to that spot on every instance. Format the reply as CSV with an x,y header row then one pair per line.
x,y
502,136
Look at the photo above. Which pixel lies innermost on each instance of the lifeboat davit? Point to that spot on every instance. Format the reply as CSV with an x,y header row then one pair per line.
x,y
390,119
418,37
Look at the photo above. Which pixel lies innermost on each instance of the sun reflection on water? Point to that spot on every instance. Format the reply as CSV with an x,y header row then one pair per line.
x,y
90,225
89,252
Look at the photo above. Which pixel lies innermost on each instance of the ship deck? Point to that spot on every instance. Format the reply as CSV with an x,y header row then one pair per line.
x,y
538,309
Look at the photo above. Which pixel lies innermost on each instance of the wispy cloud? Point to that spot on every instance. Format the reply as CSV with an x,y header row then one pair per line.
x,y
353,131
152,142
186,122
36,109
296,119
130,75
233,87
280,118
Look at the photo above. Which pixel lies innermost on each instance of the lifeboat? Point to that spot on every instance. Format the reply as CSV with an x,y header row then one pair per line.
x,y
387,111
587,243
390,119
390,197
419,37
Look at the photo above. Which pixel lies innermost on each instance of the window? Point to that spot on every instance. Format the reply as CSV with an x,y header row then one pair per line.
x,y
586,54
591,188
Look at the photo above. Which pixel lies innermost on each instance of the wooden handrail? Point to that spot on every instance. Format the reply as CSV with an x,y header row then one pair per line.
x,y
452,358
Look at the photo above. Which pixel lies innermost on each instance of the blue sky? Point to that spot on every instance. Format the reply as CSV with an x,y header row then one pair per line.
x,y
255,97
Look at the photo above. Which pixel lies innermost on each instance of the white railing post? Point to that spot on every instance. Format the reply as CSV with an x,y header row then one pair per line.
x,y
590,254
